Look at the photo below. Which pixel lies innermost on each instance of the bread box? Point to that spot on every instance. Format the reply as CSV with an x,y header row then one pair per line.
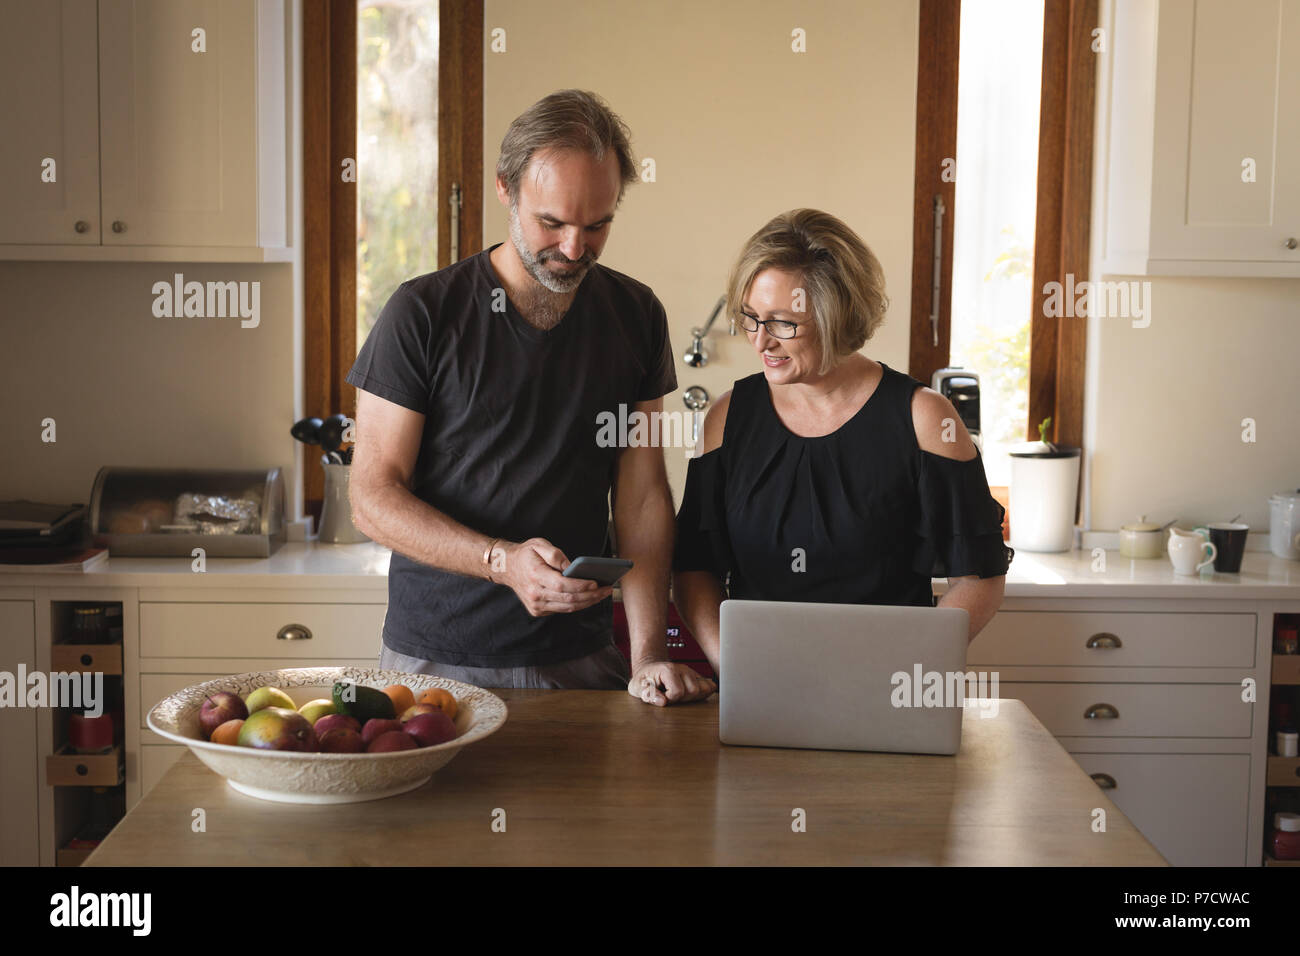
x,y
168,512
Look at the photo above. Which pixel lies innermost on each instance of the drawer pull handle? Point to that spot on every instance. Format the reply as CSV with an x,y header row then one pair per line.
x,y
294,632
1103,640
86,660
1101,712
1104,780
82,770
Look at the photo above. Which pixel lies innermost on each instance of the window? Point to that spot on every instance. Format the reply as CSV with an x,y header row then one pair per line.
x,y
993,216
1031,365
397,149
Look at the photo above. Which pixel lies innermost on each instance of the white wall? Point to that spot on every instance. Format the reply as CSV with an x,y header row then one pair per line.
x,y
740,128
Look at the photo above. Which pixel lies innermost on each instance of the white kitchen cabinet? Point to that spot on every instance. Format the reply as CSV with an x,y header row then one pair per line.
x,y
180,153
1193,807
156,761
1149,695
1202,138
281,632
49,154
192,142
19,761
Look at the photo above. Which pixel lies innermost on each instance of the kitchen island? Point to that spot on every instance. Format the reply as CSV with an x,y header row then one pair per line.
x,y
599,778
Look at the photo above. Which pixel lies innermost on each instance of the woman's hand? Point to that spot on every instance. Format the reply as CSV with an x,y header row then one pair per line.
x,y
666,682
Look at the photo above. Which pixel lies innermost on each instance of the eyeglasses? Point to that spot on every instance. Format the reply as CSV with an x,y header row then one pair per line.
x,y
777,328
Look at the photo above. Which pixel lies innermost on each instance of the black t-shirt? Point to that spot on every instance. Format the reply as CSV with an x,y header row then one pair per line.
x,y
510,445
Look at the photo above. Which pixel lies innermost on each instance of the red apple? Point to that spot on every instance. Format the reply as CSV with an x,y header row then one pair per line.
x,y
391,740
330,722
431,729
376,726
217,709
342,740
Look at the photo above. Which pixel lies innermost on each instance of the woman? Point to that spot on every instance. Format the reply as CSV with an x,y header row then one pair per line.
x,y
828,476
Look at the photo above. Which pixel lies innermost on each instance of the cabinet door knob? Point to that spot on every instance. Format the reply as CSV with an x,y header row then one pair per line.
x,y
1101,712
81,225
119,225
1104,780
294,632
1103,640
1291,243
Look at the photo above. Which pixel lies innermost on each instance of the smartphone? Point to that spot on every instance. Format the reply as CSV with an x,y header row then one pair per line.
x,y
604,571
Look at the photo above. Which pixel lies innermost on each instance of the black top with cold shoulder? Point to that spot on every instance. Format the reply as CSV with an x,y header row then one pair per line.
x,y
860,516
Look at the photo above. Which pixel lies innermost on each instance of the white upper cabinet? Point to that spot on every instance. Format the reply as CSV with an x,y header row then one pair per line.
x,y
1203,139
186,126
49,146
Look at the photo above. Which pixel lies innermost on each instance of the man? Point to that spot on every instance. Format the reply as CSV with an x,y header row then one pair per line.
x,y
477,460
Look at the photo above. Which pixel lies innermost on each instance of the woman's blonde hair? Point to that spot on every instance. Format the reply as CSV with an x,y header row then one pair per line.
x,y
841,277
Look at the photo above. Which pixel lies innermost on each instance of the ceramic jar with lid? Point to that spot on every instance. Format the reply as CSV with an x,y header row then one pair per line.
x,y
1286,836
1141,539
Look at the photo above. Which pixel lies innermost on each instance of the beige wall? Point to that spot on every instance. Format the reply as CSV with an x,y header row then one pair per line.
x,y
80,344
740,128
1168,401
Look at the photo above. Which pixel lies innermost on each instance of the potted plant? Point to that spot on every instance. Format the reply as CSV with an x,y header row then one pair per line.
x,y
1044,488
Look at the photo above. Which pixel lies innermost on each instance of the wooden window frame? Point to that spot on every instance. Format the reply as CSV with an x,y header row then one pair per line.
x,y
329,39
1064,202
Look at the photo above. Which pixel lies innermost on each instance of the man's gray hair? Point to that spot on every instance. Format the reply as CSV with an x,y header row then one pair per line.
x,y
566,119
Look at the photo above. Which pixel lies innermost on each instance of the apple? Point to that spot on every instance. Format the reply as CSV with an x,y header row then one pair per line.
x,y
416,709
430,729
334,722
342,740
390,741
217,709
314,710
278,728
269,697
376,726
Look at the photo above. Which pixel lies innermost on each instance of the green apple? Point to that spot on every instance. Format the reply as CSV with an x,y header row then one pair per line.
x,y
314,710
268,697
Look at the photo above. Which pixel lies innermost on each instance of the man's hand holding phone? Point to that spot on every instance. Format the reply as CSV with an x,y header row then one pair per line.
x,y
533,570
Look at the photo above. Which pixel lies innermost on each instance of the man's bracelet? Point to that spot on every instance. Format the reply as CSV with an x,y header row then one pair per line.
x,y
487,556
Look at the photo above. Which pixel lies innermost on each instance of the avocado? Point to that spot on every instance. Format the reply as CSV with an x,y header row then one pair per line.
x,y
363,703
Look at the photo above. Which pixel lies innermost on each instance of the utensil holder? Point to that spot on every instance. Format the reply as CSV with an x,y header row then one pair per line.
x,y
336,525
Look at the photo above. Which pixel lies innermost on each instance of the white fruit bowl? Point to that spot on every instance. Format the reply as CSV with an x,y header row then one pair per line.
x,y
290,777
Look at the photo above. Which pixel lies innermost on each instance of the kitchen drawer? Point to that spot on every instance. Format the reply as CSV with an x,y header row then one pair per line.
x,y
1194,808
70,769
1144,710
1114,639
156,761
70,658
261,630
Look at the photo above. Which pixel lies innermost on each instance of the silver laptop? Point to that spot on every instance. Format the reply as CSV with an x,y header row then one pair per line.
x,y
842,676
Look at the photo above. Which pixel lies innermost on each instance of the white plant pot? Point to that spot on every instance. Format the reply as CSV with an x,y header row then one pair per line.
x,y
1044,486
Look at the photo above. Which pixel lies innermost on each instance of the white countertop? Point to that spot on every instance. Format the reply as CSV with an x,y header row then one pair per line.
x,y
336,566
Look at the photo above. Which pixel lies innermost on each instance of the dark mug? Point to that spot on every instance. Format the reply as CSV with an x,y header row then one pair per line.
x,y
1229,541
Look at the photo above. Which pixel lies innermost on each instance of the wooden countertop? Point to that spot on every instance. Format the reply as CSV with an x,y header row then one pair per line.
x,y
597,777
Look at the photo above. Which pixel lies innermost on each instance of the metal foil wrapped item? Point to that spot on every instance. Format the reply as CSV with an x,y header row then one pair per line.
x,y
217,514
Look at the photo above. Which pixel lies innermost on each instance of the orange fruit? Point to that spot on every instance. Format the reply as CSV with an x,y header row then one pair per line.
x,y
227,733
401,696
441,699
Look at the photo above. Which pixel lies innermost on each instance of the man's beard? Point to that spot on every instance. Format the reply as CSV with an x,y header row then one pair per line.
x,y
560,284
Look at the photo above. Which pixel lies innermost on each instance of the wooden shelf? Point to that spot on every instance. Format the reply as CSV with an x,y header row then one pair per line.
x,y
68,769
71,658
1286,668
1283,772
72,857
1269,861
